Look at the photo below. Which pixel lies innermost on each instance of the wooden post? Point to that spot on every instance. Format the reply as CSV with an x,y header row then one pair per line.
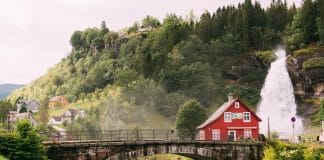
x,y
153,135
167,134
119,135
58,136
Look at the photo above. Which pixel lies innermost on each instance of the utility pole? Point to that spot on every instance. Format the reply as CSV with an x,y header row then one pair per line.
x,y
293,120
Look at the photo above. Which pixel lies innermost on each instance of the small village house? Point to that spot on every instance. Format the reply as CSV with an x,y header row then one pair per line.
x,y
30,104
55,120
57,101
14,117
232,121
68,116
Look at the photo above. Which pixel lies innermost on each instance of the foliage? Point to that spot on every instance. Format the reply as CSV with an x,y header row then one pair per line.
x,y
159,65
189,116
266,56
5,107
24,143
314,63
250,96
304,51
3,158
276,149
43,111
319,116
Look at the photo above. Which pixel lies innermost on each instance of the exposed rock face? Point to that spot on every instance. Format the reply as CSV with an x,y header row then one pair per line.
x,y
308,81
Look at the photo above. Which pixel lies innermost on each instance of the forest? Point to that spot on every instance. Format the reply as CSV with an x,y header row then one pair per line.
x,y
141,75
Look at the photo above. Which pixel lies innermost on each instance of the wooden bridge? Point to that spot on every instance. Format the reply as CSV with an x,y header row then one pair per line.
x,y
131,144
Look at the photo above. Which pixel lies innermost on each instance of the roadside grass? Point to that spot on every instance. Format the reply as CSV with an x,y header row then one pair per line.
x,y
165,157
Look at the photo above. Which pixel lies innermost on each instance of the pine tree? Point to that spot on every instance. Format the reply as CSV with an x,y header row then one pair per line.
x,y
321,20
308,20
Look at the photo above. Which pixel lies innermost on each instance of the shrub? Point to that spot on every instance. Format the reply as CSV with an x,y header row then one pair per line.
x,y
314,63
302,52
24,143
266,56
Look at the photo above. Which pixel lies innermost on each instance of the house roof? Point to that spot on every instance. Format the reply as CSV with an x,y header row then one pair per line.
x,y
73,112
57,118
24,115
30,104
220,112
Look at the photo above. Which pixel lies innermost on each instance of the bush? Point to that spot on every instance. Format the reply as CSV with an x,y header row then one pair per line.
x,y
190,115
314,63
266,56
3,158
24,143
276,149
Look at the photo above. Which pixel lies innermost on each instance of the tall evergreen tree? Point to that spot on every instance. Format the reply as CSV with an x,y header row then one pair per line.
x,y
320,20
308,21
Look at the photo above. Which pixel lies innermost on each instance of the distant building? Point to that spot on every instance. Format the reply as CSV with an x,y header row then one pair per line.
x,y
30,104
55,120
15,116
68,116
72,114
232,121
57,101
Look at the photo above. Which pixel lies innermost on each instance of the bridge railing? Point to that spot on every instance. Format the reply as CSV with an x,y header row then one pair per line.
x,y
118,135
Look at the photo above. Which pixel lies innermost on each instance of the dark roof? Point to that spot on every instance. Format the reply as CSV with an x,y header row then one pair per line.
x,y
30,104
57,118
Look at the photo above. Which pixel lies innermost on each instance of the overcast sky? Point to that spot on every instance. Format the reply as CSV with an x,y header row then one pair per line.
x,y
34,34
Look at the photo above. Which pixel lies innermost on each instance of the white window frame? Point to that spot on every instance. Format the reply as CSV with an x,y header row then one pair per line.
x,y
201,134
237,104
247,133
245,115
216,134
227,117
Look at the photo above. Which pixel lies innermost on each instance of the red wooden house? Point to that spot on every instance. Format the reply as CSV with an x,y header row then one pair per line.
x,y
231,122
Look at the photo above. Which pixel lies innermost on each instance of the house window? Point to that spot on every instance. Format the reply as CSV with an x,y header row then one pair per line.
x,y
247,133
227,117
246,117
201,135
237,104
216,134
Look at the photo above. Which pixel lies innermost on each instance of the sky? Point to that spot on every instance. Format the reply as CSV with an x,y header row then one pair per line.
x,y
34,34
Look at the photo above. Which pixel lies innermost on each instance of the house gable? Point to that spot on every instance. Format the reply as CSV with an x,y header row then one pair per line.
x,y
232,121
229,107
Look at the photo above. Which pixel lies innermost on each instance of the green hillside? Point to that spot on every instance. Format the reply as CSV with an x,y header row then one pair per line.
x,y
140,77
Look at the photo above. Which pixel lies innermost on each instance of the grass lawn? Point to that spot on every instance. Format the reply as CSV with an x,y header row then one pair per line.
x,y
165,157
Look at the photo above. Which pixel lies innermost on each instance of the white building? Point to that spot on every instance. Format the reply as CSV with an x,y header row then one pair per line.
x,y
14,117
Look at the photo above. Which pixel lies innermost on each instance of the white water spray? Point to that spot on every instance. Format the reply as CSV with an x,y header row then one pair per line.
x,y
278,100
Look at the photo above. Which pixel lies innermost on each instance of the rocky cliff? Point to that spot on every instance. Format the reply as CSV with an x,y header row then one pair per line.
x,y
306,69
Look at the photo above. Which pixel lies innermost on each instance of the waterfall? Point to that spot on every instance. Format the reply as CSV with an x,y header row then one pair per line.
x,y
278,100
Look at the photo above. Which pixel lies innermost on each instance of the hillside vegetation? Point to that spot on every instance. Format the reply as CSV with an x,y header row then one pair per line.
x,y
140,77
